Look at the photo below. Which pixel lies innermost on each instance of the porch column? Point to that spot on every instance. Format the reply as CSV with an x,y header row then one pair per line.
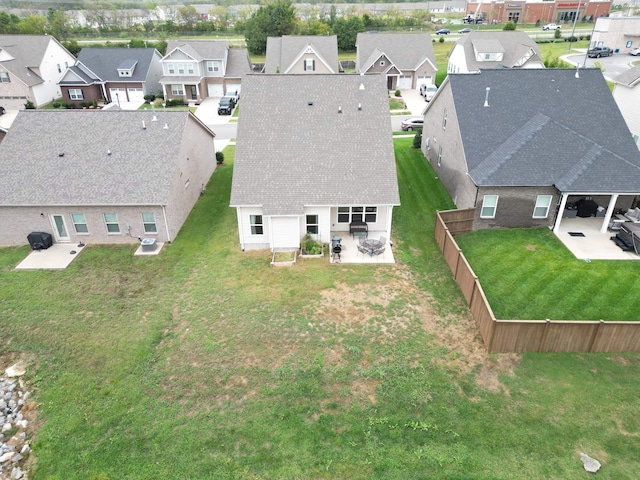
x,y
563,203
607,217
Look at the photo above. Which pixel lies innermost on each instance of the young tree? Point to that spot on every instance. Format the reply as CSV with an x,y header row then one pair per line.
x,y
272,20
188,16
347,30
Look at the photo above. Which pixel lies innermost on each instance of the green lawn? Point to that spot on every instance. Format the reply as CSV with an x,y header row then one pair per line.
x,y
205,363
528,274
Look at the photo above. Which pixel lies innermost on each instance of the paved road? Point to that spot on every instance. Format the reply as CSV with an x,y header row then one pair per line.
x,y
612,66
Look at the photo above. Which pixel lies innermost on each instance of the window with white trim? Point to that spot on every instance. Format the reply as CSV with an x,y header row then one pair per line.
x,y
309,65
171,68
181,69
357,214
213,66
76,94
444,119
79,223
4,77
489,205
543,203
256,224
149,223
111,222
440,155
177,90
190,69
312,224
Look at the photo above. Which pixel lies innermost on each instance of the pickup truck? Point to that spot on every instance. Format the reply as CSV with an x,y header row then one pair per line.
x,y
597,52
552,26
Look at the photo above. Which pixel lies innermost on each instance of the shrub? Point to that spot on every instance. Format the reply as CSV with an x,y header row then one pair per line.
x,y
509,26
311,246
174,102
441,40
150,97
417,140
29,105
69,105
219,158
95,103
56,104
398,94
557,34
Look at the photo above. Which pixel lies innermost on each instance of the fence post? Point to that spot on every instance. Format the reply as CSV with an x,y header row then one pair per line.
x,y
543,339
596,335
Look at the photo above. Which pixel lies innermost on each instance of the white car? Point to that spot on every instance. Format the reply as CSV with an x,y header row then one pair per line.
x,y
552,26
428,91
635,52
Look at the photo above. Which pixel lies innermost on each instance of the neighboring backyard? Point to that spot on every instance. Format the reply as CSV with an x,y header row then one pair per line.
x,y
205,363
528,274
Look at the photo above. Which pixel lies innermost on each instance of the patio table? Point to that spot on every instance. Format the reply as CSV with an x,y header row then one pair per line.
x,y
371,245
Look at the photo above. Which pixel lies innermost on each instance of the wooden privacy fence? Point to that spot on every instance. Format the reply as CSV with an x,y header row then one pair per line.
x,y
525,335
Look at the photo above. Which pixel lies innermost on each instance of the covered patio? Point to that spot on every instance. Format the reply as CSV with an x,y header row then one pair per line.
x,y
593,244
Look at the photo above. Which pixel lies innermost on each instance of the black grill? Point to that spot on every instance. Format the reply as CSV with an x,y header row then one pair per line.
x,y
40,240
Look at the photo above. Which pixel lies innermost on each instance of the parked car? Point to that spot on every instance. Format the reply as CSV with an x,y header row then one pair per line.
x,y
234,94
635,52
429,92
225,107
412,123
443,31
465,30
552,26
597,52
2,111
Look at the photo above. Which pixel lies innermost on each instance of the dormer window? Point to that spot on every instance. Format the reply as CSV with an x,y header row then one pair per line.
x,y
126,68
309,65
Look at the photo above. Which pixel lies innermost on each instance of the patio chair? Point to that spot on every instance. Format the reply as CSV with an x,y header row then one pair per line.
x,y
383,241
363,250
379,251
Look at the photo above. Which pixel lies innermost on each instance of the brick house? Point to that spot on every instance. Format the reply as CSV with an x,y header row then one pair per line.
x,y
101,176
517,146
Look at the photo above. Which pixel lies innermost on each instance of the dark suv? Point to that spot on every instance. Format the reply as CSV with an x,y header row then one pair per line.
x,y
597,52
225,107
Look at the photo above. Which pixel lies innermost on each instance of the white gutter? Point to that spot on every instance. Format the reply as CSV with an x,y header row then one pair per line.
x,y
166,225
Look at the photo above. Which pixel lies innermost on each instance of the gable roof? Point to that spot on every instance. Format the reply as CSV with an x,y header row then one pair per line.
x,y
283,51
537,130
200,50
105,62
137,170
408,51
22,55
515,46
294,148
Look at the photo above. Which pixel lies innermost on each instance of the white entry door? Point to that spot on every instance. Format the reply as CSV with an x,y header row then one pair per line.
x,y
60,228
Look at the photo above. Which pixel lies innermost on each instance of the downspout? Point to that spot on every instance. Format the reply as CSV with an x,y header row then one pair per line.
x,y
563,203
166,225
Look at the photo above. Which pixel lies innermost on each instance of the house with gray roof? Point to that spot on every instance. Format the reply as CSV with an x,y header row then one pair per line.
x,y
494,49
626,93
517,146
30,67
305,54
197,69
406,60
102,176
317,162
112,75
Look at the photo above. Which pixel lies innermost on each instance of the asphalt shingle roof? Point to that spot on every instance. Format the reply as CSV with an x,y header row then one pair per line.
x,y
294,148
514,45
282,51
406,50
237,59
28,52
544,127
137,171
105,62
629,77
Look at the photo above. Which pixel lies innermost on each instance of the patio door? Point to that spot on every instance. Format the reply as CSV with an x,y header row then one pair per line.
x,y
60,228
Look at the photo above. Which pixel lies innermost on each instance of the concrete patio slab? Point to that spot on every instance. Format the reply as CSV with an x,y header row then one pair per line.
x,y
350,253
594,245
56,257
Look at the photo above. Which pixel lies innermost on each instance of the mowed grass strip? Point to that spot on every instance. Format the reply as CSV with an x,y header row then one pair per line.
x,y
205,363
528,274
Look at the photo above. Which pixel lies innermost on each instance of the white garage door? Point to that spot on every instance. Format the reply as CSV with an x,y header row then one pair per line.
x,y
215,90
118,95
285,233
424,80
404,82
233,87
135,95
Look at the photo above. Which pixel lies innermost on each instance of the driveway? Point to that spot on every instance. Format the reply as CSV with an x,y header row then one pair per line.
x,y
612,66
207,112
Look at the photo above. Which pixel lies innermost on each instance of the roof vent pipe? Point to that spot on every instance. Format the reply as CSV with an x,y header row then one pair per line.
x,y
339,109
486,98
359,107
144,125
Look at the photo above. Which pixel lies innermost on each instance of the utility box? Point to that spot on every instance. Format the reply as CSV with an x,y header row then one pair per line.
x,y
148,244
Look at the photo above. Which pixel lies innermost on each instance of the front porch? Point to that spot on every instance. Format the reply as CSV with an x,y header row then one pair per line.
x,y
350,253
594,245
